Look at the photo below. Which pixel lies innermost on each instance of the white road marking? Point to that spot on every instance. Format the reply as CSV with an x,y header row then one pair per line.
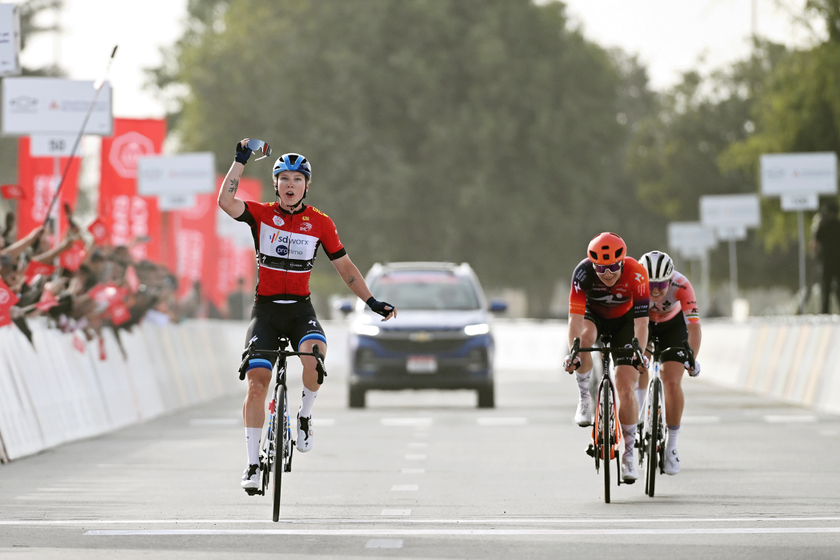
x,y
415,457
501,421
460,532
428,521
406,421
413,471
388,511
215,421
790,419
405,488
418,444
700,419
384,543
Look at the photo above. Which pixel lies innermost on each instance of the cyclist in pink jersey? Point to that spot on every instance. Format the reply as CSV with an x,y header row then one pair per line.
x,y
674,318
287,235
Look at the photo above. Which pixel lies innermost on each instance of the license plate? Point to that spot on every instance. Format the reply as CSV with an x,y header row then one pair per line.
x,y
421,364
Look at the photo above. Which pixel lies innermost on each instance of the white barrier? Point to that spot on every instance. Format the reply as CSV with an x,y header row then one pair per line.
x,y
53,393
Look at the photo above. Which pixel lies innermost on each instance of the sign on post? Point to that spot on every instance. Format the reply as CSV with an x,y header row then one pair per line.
x,y
54,106
690,239
730,211
9,40
805,173
176,175
51,145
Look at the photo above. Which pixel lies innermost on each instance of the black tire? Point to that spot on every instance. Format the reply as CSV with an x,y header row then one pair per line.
x,y
279,437
655,431
606,405
356,397
487,397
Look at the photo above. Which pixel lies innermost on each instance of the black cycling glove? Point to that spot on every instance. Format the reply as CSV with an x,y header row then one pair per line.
x,y
380,307
242,153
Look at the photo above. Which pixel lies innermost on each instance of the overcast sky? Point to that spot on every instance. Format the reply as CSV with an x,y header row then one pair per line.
x,y
669,36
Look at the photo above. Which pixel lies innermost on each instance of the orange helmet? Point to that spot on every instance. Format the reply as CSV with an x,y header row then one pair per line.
x,y
607,248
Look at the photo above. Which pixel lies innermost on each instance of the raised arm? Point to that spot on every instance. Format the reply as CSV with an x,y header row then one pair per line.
x,y
354,280
228,202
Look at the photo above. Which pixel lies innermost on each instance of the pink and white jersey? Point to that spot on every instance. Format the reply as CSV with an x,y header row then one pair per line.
x,y
680,296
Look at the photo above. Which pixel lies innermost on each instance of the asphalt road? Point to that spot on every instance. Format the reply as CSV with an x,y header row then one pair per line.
x,y
427,475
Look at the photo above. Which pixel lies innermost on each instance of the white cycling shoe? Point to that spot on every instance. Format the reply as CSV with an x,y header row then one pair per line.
x,y
583,414
672,462
628,469
251,477
304,433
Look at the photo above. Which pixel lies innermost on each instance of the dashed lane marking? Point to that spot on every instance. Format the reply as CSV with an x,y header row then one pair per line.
x,y
393,511
501,421
415,457
384,543
405,488
413,471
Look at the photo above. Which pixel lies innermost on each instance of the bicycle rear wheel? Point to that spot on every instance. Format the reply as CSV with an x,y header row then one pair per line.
x,y
606,445
279,436
655,431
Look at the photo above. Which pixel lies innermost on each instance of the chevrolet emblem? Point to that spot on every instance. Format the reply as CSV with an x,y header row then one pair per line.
x,y
420,336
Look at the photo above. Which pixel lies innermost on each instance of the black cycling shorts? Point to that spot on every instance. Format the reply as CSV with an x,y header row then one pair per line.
x,y
270,321
669,336
621,331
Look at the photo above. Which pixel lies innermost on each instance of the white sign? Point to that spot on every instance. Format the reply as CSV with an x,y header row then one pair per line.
x,y
731,233
51,145
176,201
730,210
238,232
54,105
182,174
9,40
799,173
794,202
690,239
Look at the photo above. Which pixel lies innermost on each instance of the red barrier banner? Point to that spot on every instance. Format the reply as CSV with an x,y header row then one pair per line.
x,y
123,213
38,180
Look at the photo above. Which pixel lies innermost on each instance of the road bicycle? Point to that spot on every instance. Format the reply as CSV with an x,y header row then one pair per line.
x,y
652,425
277,446
606,430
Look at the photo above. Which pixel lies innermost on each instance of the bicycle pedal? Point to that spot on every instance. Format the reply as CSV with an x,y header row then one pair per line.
x,y
251,491
590,450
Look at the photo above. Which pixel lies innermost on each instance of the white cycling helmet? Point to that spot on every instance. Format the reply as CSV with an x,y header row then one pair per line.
x,y
659,265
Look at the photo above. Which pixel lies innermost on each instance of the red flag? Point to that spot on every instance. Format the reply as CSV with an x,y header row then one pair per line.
x,y
47,301
7,300
125,214
35,268
12,191
119,313
99,231
38,179
72,258
79,342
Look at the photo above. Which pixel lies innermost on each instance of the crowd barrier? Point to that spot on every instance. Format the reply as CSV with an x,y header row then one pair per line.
x,y
57,394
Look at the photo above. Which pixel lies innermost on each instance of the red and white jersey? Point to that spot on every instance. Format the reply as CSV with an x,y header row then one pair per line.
x,y
630,291
680,296
286,244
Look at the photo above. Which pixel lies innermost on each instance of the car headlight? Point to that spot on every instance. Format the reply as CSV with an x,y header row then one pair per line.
x,y
366,330
473,330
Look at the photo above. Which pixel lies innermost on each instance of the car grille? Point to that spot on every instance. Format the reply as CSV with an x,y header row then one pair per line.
x,y
430,347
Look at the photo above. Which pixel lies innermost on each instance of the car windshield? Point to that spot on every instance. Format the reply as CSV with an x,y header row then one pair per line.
x,y
425,290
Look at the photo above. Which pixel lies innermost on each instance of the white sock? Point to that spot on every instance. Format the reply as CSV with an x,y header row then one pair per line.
x,y
671,440
307,399
252,443
641,394
629,437
583,384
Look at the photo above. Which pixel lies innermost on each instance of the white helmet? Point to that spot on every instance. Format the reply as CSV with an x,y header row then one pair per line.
x,y
659,265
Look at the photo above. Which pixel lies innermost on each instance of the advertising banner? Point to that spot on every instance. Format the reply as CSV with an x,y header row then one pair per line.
x,y
126,215
37,105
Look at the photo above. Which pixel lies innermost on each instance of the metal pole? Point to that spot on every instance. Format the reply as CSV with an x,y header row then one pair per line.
x,y
800,224
733,270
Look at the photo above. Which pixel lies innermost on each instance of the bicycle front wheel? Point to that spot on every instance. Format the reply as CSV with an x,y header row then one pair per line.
x,y
279,437
655,433
606,435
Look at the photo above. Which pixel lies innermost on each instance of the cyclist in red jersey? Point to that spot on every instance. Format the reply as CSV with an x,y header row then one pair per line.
x,y
674,318
287,235
610,296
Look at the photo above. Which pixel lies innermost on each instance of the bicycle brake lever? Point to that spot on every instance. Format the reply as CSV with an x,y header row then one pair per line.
x,y
319,366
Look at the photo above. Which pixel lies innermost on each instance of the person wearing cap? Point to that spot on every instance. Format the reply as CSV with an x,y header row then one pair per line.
x,y
610,296
287,235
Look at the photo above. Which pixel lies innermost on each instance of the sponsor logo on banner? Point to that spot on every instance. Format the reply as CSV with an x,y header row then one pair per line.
x,y
126,149
23,104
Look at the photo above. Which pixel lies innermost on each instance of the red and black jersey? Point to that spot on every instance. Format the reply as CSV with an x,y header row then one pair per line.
x,y
286,244
609,302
